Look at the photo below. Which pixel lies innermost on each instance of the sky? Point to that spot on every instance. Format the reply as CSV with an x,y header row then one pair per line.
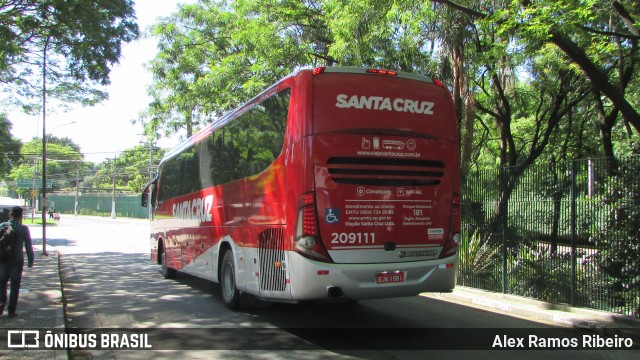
x,y
105,130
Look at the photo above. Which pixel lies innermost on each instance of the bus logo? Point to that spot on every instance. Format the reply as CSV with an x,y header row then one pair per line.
x,y
23,339
344,101
198,209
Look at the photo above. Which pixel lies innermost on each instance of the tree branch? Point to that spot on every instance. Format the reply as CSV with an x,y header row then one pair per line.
x,y
626,18
609,33
461,8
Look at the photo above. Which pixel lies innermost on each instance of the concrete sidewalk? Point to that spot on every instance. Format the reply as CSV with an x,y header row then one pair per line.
x,y
40,307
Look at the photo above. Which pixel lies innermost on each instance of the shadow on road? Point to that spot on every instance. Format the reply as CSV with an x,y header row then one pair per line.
x,y
115,290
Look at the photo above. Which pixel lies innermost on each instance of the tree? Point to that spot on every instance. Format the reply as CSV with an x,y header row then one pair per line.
x,y
510,81
603,44
67,44
136,164
63,161
214,56
9,147
132,169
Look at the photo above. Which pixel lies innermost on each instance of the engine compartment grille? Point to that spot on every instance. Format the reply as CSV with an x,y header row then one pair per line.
x,y
270,252
385,171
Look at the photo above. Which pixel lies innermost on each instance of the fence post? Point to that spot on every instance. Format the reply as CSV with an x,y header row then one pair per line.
x,y
503,221
573,224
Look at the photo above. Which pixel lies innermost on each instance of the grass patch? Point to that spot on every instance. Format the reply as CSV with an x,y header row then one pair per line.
x,y
37,221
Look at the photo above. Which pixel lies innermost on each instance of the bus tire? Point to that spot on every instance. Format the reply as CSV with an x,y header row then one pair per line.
x,y
167,272
230,292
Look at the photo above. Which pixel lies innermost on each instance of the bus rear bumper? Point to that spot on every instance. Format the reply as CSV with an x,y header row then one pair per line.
x,y
312,280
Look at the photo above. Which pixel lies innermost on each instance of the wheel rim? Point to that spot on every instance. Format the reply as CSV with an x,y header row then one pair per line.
x,y
229,281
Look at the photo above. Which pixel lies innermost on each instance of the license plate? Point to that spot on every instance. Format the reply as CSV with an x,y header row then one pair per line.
x,y
386,277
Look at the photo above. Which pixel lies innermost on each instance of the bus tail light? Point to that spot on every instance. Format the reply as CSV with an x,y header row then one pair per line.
x,y
382,72
451,247
319,70
307,237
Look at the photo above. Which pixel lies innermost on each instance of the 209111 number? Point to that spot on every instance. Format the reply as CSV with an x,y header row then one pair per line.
x,y
353,238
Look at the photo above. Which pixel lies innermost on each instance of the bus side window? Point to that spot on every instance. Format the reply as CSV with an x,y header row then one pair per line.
x,y
169,182
190,171
257,136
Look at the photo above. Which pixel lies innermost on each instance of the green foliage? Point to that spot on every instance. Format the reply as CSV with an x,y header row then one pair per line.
x,y
214,57
132,169
385,34
88,34
64,161
595,198
73,42
621,233
480,264
9,147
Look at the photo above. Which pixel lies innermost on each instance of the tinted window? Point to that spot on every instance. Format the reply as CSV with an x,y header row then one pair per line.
x,y
244,147
180,175
247,145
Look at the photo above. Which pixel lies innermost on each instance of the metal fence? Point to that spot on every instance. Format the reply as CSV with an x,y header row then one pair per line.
x,y
99,205
562,232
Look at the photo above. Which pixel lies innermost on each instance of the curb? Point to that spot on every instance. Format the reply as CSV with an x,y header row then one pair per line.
x,y
560,315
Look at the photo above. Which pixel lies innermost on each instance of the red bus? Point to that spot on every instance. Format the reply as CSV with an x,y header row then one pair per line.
x,y
335,183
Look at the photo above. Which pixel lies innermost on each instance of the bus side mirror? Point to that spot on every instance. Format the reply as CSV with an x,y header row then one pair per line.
x,y
144,201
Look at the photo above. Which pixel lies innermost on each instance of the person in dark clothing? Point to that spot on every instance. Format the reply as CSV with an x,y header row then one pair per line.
x,y
12,269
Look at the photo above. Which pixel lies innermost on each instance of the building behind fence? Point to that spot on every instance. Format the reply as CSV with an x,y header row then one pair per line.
x,y
565,232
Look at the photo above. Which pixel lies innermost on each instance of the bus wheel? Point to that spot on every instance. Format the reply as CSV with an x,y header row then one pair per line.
x,y
230,293
167,272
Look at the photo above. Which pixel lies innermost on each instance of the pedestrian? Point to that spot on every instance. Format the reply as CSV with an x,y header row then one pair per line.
x,y
51,211
11,269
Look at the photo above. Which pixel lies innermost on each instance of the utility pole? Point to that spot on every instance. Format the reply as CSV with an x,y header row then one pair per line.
x,y
44,149
150,144
113,194
149,207
75,202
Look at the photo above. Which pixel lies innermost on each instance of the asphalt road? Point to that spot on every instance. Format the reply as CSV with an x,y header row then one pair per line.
x,y
109,282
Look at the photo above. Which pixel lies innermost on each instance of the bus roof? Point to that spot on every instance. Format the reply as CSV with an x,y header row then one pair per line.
x,y
230,115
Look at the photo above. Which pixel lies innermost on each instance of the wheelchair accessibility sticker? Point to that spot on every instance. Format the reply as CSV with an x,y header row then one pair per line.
x,y
332,215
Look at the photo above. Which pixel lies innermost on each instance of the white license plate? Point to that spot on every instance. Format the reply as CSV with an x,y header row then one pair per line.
x,y
386,277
